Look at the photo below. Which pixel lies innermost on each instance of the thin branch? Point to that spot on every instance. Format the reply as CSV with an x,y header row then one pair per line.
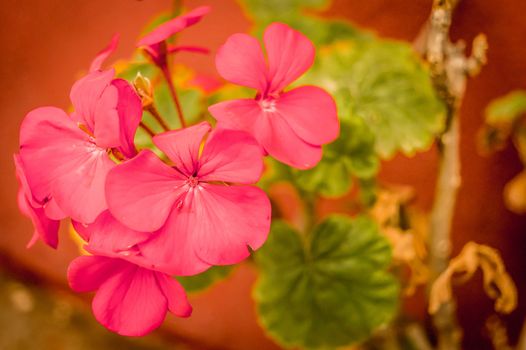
x,y
147,129
173,92
155,113
449,70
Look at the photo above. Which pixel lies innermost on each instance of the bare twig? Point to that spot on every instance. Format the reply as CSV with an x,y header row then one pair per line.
x,y
449,69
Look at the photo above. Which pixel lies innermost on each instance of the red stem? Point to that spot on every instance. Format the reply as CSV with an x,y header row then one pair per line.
x,y
173,92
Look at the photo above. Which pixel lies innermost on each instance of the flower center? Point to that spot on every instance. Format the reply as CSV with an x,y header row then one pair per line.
x,y
192,181
268,104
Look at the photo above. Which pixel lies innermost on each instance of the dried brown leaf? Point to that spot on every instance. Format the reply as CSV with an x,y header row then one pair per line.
x,y
498,285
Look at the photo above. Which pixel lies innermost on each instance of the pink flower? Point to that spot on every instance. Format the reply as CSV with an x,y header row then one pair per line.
x,y
154,43
45,215
130,300
291,126
67,157
198,219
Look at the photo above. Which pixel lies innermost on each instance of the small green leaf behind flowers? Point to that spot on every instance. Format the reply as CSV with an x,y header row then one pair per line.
x,y
205,279
328,289
351,155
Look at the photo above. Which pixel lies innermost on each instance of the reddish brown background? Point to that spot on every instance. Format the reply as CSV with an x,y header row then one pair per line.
x,y
46,44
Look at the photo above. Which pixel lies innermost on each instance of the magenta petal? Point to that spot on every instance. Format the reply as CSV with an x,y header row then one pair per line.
x,y
129,109
97,62
311,113
231,156
40,126
110,236
86,93
87,273
53,211
167,29
80,190
240,60
130,302
239,114
142,191
175,295
106,125
194,49
247,213
182,146
45,228
214,227
281,142
290,54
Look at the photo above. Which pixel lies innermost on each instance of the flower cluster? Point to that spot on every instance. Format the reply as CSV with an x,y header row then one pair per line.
x,y
145,218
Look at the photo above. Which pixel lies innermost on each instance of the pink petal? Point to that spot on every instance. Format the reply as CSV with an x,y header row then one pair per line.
x,y
182,146
80,189
85,95
290,54
106,124
88,273
53,211
239,114
214,227
110,236
240,60
311,113
61,160
34,142
142,191
97,62
231,156
281,142
45,228
167,29
130,302
194,49
175,295
129,109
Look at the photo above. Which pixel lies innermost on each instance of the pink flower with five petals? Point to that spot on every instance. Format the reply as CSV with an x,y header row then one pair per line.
x,y
290,126
130,300
67,157
197,218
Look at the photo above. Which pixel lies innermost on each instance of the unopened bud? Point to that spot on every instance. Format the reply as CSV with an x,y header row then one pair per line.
x,y
143,86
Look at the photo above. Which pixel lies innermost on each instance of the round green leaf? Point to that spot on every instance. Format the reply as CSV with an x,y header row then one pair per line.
x,y
384,83
352,154
331,291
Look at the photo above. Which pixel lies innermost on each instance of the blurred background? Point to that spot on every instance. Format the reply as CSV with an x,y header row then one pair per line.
x,y
47,44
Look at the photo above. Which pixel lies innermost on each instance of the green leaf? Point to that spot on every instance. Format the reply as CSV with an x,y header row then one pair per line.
x,y
296,13
205,279
333,293
506,109
352,154
384,83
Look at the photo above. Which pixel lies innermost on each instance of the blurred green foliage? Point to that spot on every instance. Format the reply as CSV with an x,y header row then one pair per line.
x,y
327,289
351,155
507,108
205,279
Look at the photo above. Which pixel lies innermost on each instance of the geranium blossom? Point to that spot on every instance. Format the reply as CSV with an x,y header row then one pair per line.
x,y
198,219
291,126
45,215
154,43
67,157
130,299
